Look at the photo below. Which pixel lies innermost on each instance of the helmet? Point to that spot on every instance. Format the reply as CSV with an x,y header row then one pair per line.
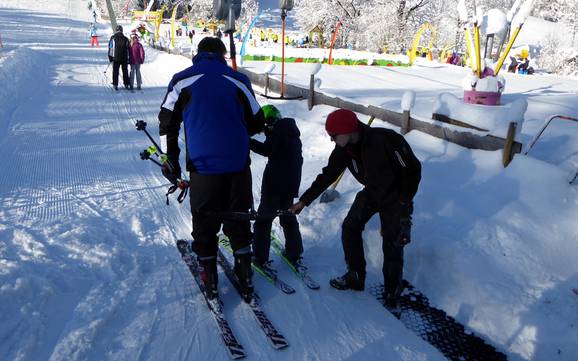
x,y
272,115
119,28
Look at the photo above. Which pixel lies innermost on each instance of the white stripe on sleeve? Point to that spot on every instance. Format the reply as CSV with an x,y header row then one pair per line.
x,y
255,107
173,96
400,159
164,143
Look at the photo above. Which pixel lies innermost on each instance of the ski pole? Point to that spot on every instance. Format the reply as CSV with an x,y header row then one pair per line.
x,y
107,67
573,179
179,183
142,125
146,155
152,150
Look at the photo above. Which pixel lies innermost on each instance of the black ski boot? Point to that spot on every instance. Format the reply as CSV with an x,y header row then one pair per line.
x,y
209,276
244,272
351,280
392,296
266,267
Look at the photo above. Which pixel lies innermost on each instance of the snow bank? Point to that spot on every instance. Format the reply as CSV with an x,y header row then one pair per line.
x,y
495,119
18,63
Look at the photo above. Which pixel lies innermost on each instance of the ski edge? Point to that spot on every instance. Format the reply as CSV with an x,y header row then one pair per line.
x,y
235,350
304,276
275,338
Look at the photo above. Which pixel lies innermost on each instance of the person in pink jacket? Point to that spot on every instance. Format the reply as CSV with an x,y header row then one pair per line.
x,y
136,58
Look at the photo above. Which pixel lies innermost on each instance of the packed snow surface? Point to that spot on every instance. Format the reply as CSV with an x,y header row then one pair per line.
x,y
88,267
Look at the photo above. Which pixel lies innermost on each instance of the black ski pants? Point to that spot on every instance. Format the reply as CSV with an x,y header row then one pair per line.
x,y
212,196
125,74
361,211
262,229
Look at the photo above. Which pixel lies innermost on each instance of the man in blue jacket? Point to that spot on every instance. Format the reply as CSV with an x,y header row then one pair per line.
x,y
219,112
281,180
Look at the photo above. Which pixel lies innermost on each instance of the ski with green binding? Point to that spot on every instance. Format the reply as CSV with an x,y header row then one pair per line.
x,y
300,270
269,276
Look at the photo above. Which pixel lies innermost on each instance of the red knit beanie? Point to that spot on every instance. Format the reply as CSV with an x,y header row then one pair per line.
x,y
341,121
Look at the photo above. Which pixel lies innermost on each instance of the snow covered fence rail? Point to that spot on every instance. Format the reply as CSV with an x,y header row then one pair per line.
x,y
469,138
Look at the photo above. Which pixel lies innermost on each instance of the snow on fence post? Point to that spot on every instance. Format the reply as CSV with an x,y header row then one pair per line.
x,y
311,95
407,102
507,154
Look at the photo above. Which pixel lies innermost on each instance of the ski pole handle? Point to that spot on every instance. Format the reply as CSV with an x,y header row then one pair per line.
x,y
142,125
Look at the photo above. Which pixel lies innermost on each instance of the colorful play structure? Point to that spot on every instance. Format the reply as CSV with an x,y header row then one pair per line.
x,y
483,74
154,17
416,41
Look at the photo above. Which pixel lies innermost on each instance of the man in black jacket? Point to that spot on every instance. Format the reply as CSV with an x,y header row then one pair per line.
x,y
118,47
281,180
383,162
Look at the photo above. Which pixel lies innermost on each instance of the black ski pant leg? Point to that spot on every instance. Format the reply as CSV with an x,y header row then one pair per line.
x,y
115,67
206,196
359,214
290,225
392,254
238,198
262,228
125,74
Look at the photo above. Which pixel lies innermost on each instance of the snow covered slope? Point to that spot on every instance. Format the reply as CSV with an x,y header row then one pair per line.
x,y
88,270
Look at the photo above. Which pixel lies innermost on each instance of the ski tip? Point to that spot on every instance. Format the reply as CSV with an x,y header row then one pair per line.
x,y
288,291
281,345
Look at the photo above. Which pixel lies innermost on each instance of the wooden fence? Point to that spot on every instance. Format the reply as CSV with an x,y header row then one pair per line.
x,y
442,128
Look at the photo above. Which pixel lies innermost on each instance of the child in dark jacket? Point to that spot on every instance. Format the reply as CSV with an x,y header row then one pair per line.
x,y
281,180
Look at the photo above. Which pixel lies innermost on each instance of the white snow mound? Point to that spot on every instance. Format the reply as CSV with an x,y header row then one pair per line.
x,y
495,119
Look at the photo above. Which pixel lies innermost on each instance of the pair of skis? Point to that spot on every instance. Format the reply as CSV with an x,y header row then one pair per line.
x,y
271,275
234,348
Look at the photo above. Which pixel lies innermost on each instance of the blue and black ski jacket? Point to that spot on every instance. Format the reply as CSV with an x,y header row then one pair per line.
x,y
219,111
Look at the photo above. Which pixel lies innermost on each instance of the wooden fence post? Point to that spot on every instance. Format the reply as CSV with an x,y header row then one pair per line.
x,y
311,92
507,154
405,122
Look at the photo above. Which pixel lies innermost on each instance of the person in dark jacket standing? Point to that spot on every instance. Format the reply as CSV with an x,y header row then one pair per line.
x,y
382,161
136,59
118,48
281,180
219,112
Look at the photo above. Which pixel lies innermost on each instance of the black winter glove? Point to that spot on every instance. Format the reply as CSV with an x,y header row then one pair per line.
x,y
404,235
405,209
110,59
405,212
174,173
